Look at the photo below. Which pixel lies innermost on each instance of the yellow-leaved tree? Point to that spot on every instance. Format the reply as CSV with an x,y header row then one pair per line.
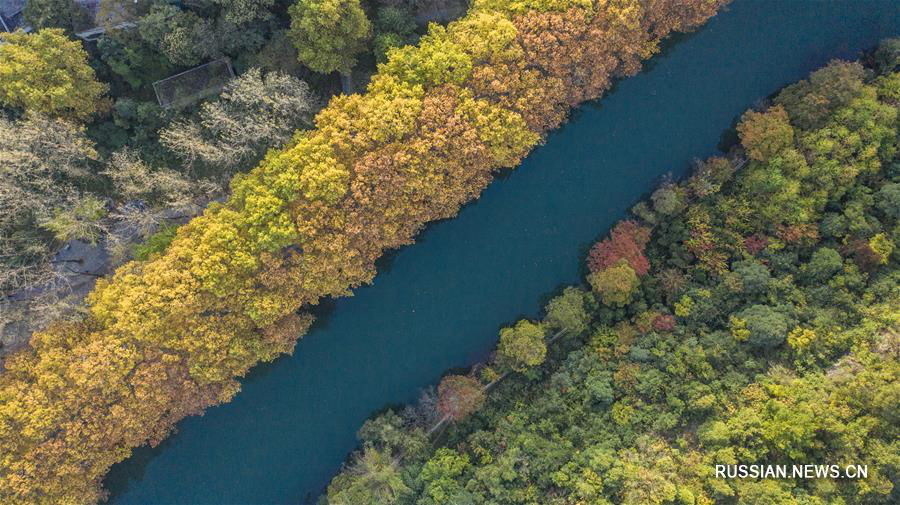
x,y
47,73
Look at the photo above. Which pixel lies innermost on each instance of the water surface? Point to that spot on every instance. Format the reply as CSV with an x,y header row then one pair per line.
x,y
439,303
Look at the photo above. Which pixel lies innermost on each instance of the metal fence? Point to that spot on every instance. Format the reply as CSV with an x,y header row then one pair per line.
x,y
195,84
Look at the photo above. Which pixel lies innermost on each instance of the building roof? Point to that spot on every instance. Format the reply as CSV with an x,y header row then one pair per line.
x,y
11,14
194,84
10,7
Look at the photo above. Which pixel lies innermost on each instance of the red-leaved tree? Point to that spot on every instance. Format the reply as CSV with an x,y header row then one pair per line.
x,y
664,322
627,241
459,396
756,243
865,258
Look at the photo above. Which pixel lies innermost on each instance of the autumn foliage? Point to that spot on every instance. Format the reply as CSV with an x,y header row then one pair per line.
x,y
626,241
168,337
664,322
459,396
755,243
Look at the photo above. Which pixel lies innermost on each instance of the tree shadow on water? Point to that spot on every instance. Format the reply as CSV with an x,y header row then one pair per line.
x,y
665,47
122,474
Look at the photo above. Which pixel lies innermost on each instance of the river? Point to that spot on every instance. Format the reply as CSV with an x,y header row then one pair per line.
x,y
439,303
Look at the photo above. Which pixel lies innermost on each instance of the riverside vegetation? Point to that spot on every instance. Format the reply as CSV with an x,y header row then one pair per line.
x,y
96,159
94,164
749,314
168,336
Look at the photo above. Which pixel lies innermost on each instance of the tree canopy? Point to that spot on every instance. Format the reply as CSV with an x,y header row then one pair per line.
x,y
64,14
46,73
329,33
523,345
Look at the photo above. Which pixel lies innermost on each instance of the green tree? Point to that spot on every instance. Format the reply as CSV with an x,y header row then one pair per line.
x,y
809,103
65,14
439,478
392,19
616,284
767,327
155,244
823,264
374,479
45,72
887,57
568,312
182,36
668,199
754,276
244,11
384,42
888,199
522,346
133,59
882,246
392,432
113,12
393,27
329,33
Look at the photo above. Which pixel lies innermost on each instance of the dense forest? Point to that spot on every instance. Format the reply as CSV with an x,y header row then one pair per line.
x,y
748,314
103,153
106,140
193,307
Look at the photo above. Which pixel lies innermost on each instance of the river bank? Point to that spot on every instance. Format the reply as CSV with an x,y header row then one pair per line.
x,y
439,303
